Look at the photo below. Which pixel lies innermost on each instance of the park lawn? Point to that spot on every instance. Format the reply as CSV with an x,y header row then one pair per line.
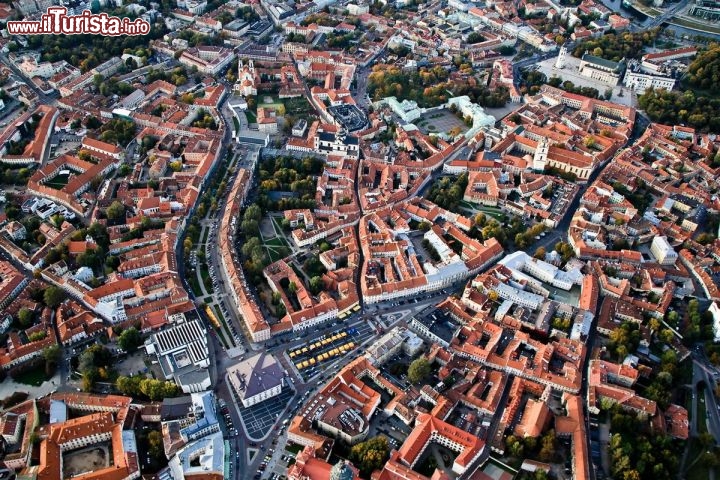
x,y
207,281
294,448
277,248
297,106
496,213
702,414
34,377
274,103
276,242
275,254
278,227
195,285
59,182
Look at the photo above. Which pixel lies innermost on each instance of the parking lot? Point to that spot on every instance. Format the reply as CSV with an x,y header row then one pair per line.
x,y
310,356
259,419
324,348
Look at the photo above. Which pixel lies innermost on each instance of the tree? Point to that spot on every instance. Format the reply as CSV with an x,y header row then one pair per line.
x,y
116,211
316,285
418,369
155,445
370,455
53,296
52,355
146,387
95,364
130,339
517,449
25,317
541,475
474,38
92,123
547,449
540,253
128,385
39,335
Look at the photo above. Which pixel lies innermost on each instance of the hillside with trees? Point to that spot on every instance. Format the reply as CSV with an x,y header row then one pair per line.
x,y
89,51
704,72
430,87
682,108
616,46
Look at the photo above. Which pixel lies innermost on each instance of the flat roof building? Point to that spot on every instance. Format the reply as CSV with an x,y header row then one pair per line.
x,y
182,352
257,379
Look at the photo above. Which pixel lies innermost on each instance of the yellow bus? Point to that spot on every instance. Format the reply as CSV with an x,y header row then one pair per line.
x,y
304,350
299,365
292,354
357,308
325,356
311,361
211,316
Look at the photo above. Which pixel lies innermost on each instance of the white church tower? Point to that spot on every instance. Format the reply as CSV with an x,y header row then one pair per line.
x,y
540,157
560,61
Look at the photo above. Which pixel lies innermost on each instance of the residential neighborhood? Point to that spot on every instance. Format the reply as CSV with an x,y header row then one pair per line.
x,y
422,239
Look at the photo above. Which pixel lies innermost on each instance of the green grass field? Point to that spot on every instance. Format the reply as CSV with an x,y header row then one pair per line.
x,y
58,182
493,212
195,285
207,281
274,102
277,247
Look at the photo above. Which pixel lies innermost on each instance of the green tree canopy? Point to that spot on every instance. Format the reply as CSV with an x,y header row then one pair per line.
x,y
370,455
130,339
53,296
25,317
116,211
418,369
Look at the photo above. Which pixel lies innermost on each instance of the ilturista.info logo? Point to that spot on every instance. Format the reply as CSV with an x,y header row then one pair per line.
x,y
57,22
